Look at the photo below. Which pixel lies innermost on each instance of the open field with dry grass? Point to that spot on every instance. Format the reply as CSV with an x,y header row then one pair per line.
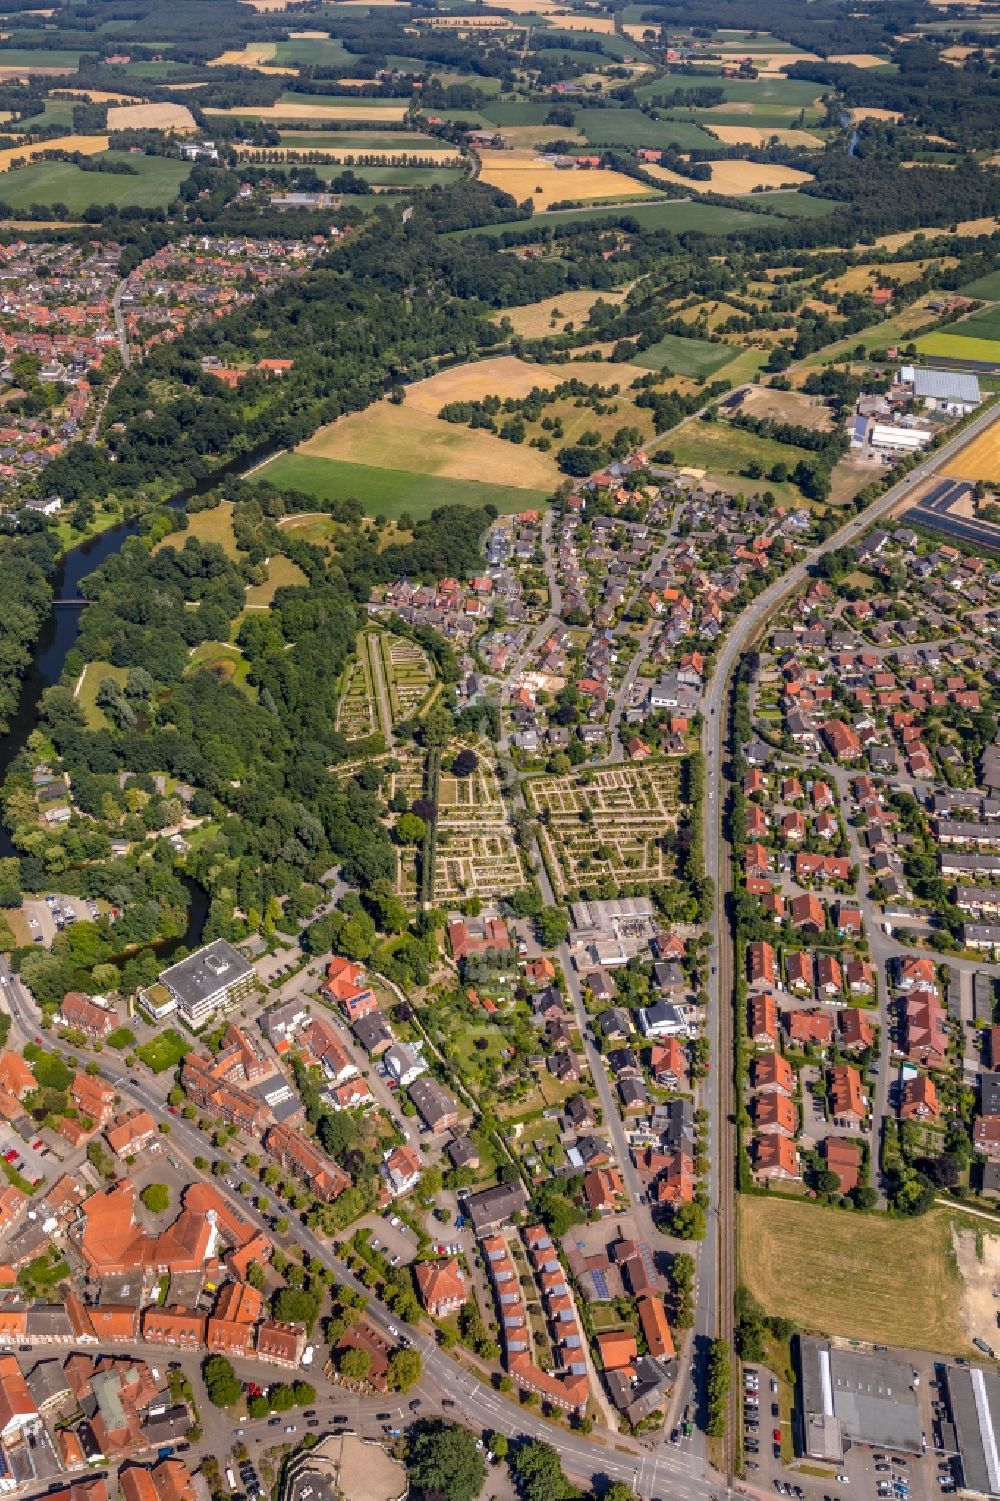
x,y
760,135
215,525
509,376
788,406
517,172
577,20
415,441
88,145
864,1276
536,319
966,229
980,460
735,177
150,117
281,573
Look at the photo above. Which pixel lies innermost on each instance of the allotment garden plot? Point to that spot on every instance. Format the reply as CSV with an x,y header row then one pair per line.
x,y
476,852
607,822
409,675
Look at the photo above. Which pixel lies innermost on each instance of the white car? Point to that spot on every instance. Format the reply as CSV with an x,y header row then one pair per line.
x,y
844,1479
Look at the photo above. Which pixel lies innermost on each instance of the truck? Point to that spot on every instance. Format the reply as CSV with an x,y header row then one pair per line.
x,y
230,1478
688,1428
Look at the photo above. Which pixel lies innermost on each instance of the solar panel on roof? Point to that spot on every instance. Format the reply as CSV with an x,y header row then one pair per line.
x,y
601,1285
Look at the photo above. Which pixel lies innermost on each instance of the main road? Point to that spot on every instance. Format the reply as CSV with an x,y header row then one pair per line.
x,y
718,1256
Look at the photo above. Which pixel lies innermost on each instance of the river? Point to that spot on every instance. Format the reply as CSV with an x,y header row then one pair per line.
x,y
59,634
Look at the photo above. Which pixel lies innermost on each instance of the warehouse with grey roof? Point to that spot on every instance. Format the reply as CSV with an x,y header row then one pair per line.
x,y
974,1399
849,1397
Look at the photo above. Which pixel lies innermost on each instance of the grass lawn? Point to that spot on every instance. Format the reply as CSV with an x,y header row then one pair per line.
x,y
156,185
389,492
863,1276
725,450
665,214
227,662
38,57
164,1051
93,674
682,356
215,525
630,127
281,573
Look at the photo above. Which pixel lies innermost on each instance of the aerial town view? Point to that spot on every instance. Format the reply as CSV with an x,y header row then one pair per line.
x,y
500,750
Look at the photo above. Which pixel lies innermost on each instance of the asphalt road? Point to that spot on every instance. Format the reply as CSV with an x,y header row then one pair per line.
x,y
714,1311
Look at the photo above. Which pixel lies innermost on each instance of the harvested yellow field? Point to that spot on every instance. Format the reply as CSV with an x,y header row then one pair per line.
x,y
967,229
405,438
346,112
9,73
636,32
758,135
981,460
256,55
868,112
88,145
523,7
536,319
150,117
517,172
859,59
309,36
735,177
577,20
96,96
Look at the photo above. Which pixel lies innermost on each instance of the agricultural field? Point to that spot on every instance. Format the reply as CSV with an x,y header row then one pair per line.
x,y
522,175
694,357
980,460
735,177
289,107
150,117
630,127
952,346
862,1276
392,492
662,214
155,184
86,145
760,135
986,289
476,852
606,822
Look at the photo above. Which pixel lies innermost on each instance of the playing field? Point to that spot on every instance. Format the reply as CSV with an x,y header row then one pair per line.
x,y
150,117
522,176
391,492
734,177
980,460
156,183
862,1276
694,357
86,145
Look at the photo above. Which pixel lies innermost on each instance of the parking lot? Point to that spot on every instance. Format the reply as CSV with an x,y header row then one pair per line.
x,y
44,919
868,1473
